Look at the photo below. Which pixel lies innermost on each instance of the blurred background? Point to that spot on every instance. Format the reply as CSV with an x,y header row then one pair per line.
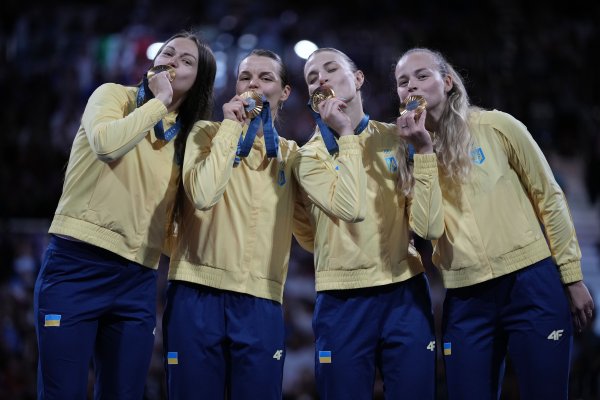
x,y
534,61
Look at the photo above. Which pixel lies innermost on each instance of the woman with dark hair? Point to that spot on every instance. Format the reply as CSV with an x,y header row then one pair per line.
x,y
508,255
223,322
95,295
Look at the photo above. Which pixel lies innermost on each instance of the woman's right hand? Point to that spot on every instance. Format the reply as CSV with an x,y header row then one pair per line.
x,y
332,112
160,86
234,110
414,132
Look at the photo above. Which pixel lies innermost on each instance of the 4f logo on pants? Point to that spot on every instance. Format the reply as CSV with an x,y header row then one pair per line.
x,y
556,335
278,354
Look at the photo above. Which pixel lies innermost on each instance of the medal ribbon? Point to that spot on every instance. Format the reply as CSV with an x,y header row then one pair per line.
x,y
269,132
327,134
143,95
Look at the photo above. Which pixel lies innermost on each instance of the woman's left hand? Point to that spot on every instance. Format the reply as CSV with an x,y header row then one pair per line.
x,y
582,304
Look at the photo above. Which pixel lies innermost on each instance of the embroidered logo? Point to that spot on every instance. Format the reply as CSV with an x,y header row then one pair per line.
x,y
431,346
556,335
392,164
477,156
278,354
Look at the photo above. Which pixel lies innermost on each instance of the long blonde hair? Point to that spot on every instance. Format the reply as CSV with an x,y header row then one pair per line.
x,y
405,177
453,142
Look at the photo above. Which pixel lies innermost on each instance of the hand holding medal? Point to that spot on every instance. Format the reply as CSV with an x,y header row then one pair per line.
x,y
412,128
159,86
320,94
257,110
164,92
413,103
255,103
162,68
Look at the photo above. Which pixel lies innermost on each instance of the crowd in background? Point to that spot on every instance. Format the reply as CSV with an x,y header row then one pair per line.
x,y
536,62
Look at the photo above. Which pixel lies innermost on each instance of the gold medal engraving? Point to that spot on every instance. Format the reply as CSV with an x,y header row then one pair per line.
x,y
160,68
255,103
320,94
413,103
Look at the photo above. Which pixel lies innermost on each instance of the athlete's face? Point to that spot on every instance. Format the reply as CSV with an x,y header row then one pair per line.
x,y
181,54
418,74
331,68
263,75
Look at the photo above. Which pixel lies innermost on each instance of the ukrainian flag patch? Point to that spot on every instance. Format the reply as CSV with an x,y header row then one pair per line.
x,y
325,357
52,320
447,348
172,358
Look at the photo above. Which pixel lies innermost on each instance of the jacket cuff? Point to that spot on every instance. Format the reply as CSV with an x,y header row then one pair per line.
x,y
571,272
349,145
157,109
229,131
425,163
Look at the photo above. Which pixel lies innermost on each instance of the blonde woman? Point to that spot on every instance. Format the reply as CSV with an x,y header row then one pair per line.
x,y
509,255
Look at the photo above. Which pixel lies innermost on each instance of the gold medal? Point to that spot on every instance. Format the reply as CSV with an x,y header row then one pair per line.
x,y
320,94
255,103
413,103
160,68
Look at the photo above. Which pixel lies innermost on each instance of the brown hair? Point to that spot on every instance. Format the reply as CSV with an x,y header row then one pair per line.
x,y
198,105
